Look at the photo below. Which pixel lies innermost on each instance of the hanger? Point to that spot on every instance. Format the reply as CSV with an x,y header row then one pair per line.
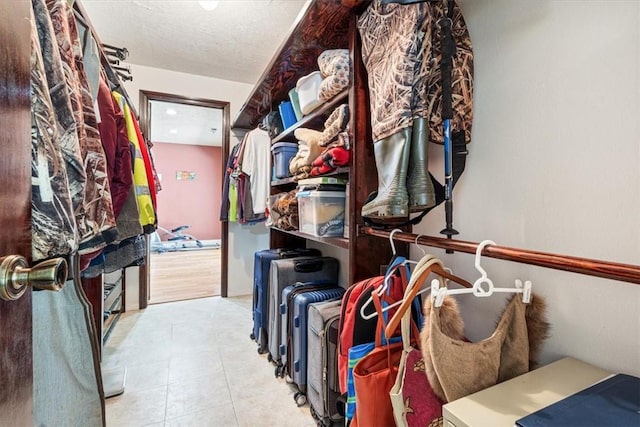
x,y
423,270
434,266
395,263
477,289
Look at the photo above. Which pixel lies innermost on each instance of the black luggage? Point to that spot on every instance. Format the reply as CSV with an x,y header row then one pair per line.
x,y
261,266
285,272
295,301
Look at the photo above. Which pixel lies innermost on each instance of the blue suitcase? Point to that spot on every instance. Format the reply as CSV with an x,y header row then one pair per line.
x,y
261,267
286,272
294,352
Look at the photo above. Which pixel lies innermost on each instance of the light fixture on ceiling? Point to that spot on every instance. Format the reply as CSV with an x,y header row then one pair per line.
x,y
171,111
208,5
173,131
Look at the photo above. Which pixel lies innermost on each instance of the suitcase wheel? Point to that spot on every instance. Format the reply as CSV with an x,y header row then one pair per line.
x,y
261,350
300,398
269,358
253,337
288,379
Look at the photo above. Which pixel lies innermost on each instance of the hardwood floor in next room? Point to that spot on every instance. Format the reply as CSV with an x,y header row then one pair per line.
x,y
183,275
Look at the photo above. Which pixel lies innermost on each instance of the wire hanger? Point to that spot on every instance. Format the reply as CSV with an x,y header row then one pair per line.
x,y
478,289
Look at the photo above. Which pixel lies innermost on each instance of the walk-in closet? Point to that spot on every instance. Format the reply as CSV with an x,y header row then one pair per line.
x,y
368,213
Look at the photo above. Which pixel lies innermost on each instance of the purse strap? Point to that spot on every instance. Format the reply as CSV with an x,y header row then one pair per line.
x,y
418,277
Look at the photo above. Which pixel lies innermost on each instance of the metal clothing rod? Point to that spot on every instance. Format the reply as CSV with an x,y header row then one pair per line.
x,y
590,267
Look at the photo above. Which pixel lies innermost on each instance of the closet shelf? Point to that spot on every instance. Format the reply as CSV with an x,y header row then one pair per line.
x,y
339,242
112,294
289,180
590,267
320,25
312,119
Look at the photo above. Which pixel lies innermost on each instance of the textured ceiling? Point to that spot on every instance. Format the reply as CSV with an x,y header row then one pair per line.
x,y
185,124
234,42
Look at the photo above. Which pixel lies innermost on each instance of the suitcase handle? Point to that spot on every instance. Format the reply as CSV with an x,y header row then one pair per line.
x,y
283,349
308,266
283,308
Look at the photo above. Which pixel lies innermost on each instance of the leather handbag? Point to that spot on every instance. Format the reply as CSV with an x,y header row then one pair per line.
x,y
414,402
373,377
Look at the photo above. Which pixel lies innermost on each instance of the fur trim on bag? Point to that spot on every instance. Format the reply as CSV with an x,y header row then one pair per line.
x,y
451,363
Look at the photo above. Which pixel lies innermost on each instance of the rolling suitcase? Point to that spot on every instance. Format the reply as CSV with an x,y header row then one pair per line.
x,y
323,388
261,266
286,321
295,361
285,272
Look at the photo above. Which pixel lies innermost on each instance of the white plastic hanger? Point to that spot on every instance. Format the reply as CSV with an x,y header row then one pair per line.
x,y
438,293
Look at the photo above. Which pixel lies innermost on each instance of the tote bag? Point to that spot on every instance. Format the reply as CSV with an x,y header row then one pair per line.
x,y
414,402
373,377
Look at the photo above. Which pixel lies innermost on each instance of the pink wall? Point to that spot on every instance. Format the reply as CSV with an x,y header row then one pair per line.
x,y
195,203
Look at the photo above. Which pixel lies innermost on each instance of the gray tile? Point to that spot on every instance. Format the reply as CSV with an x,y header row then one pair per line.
x,y
215,376
142,376
220,416
205,392
190,366
135,409
269,410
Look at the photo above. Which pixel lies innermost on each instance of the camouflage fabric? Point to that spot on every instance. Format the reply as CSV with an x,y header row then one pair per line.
x,y
97,198
401,50
61,95
53,223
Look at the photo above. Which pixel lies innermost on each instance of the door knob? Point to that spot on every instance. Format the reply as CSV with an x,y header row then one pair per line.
x,y
15,276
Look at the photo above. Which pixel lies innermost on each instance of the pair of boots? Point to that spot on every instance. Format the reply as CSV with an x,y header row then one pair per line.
x,y
404,184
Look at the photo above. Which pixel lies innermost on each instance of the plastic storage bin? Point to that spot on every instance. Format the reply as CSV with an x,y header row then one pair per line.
x,y
295,103
283,152
321,213
287,114
307,88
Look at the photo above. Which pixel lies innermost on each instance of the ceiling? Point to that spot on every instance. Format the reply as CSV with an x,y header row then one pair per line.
x,y
185,124
235,41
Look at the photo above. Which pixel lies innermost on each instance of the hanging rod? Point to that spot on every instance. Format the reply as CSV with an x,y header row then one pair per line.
x,y
590,267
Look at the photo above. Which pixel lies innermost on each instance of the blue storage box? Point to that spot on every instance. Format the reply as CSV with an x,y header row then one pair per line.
x,y
295,102
287,114
283,152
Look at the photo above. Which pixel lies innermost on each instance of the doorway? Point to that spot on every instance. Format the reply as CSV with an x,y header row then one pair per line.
x,y
187,256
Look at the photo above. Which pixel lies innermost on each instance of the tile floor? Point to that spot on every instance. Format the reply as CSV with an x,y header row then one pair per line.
x,y
192,363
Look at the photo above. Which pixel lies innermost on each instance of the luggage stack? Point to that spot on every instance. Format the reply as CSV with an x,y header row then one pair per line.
x,y
296,307
261,268
285,272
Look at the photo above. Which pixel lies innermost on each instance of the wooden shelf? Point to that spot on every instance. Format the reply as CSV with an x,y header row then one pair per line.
x,y
285,181
339,242
311,119
320,26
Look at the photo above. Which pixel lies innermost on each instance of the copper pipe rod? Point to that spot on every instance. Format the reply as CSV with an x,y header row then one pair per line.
x,y
590,267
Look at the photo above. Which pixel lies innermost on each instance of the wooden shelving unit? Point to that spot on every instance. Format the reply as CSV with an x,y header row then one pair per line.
x,y
320,26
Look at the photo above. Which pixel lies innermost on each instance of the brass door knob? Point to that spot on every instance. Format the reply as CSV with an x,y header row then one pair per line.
x,y
15,276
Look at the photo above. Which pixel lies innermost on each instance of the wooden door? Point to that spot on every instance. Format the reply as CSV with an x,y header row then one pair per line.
x,y
16,370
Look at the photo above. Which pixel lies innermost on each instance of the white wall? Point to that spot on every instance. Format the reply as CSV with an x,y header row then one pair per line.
x,y
554,166
243,240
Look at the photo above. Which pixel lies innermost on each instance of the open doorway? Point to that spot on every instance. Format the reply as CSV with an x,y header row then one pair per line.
x,y
187,254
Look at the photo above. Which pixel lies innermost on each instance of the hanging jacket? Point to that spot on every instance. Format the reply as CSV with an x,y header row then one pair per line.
x,y
224,204
52,222
62,95
148,165
113,134
147,214
99,211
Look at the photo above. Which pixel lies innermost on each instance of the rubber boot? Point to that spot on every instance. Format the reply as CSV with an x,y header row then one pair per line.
x,y
392,159
419,184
